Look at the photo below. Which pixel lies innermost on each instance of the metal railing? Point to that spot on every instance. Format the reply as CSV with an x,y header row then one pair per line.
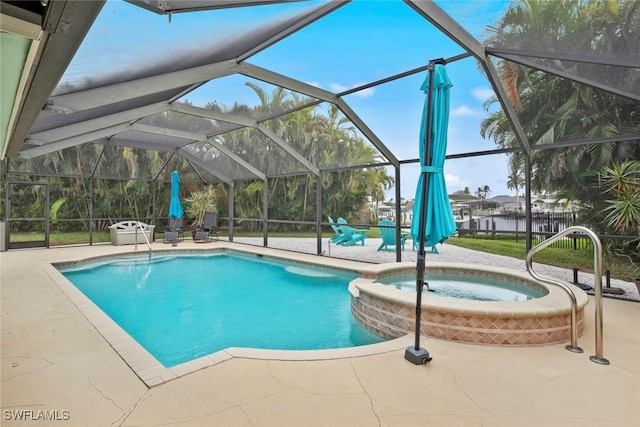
x,y
139,226
543,226
597,272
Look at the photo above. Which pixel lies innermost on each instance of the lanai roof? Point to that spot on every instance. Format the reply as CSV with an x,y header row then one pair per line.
x,y
126,109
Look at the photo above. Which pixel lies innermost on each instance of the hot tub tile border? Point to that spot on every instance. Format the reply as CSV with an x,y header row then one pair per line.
x,y
533,322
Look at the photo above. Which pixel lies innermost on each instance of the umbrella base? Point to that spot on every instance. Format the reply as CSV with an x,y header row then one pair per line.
x,y
418,356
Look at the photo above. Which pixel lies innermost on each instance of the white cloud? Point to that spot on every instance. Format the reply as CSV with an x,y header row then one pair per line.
x,y
466,111
316,84
482,93
337,87
452,181
366,93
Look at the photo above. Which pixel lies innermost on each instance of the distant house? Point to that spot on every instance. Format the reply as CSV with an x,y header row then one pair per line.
x,y
467,201
506,203
461,203
463,198
388,211
551,204
538,204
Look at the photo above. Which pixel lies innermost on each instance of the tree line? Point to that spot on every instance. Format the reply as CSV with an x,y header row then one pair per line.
x,y
603,177
127,182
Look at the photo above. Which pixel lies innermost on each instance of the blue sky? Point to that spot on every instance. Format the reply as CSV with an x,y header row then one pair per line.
x,y
364,41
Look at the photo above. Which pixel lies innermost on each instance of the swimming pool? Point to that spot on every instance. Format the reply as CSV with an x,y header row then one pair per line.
x,y
181,307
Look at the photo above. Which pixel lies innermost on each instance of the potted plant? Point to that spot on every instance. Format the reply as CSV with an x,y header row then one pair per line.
x,y
199,203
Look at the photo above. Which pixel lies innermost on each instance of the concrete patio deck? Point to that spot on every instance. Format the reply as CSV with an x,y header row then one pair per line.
x,y
56,365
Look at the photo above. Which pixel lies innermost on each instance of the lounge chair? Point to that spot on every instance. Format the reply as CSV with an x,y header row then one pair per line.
x,y
210,226
174,232
388,234
351,235
416,243
338,237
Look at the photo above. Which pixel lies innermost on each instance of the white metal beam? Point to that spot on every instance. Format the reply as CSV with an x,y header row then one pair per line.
x,y
287,82
587,81
214,115
90,125
286,147
245,121
73,141
510,113
233,156
105,95
318,14
157,130
191,136
361,125
65,25
31,58
189,156
20,27
447,25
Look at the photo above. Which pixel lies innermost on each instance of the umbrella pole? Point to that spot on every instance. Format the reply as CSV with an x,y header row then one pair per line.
x,y
416,354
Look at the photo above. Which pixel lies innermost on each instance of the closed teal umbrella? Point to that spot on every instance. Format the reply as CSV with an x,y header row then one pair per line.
x,y
175,207
433,220
436,209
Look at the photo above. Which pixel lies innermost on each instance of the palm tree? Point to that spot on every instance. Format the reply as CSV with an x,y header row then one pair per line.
x,y
483,191
379,183
575,111
515,180
322,135
328,140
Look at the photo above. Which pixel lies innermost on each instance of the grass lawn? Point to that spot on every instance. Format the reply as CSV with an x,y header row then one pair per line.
x,y
559,257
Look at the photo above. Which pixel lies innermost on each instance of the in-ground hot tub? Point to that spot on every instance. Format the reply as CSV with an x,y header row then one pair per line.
x,y
390,312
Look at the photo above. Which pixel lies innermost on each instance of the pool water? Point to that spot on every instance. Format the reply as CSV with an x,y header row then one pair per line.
x,y
464,287
183,307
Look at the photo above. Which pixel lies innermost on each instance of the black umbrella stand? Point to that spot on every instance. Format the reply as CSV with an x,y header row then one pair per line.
x,y
416,354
